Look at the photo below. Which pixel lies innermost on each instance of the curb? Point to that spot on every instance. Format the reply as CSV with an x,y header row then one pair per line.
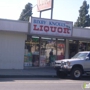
x,y
28,76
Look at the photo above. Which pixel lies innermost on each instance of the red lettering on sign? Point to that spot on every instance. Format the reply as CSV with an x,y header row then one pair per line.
x,y
53,29
36,28
59,30
41,27
46,28
66,30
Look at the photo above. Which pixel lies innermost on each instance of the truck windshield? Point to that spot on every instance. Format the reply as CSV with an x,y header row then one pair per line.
x,y
80,55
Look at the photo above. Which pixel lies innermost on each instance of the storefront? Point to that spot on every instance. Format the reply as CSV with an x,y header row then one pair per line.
x,y
46,42
57,36
39,44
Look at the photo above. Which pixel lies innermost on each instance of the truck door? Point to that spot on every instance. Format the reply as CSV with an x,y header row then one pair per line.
x,y
87,64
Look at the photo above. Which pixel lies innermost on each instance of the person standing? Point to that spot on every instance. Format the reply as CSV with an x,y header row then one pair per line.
x,y
51,56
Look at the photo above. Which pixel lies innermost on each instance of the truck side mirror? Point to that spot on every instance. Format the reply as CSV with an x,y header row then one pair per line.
x,y
87,58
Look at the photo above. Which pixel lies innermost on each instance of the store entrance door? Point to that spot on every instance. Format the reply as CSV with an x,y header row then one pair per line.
x,y
31,58
48,52
73,49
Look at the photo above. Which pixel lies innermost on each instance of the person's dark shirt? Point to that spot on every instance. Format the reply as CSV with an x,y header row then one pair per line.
x,y
51,53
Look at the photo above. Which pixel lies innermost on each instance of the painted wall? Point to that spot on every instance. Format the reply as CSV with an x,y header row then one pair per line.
x,y
13,25
82,33
12,50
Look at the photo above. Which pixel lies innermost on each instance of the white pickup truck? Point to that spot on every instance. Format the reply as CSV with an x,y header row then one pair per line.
x,y
76,66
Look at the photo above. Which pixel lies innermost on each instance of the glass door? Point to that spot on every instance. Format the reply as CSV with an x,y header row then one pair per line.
x,y
32,47
48,51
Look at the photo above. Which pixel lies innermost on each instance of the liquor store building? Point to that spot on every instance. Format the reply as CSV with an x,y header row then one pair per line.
x,y
29,44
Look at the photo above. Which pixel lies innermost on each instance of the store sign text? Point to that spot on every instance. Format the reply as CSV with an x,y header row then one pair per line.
x,y
51,28
44,26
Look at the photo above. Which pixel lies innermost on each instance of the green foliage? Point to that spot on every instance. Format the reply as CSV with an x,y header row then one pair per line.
x,y
84,18
26,13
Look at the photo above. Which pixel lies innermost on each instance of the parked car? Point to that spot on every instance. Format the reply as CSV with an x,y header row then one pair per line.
x,y
76,66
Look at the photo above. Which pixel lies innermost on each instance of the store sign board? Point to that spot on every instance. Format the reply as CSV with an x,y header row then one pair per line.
x,y
44,5
40,26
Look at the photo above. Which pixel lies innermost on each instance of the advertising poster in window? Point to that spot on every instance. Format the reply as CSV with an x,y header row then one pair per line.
x,y
60,51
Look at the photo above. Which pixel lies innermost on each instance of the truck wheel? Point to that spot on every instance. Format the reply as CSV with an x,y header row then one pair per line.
x,y
76,73
61,74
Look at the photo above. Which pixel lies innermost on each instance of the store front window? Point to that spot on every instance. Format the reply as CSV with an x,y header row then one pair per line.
x,y
83,46
60,49
77,46
42,51
32,52
88,46
48,51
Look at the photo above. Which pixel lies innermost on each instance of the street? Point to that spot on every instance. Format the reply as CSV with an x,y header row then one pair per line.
x,y
52,83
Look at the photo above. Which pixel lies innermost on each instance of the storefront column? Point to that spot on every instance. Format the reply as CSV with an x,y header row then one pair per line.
x,y
56,47
66,49
39,49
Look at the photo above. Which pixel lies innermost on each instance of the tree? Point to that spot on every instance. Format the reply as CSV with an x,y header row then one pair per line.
x,y
84,18
26,13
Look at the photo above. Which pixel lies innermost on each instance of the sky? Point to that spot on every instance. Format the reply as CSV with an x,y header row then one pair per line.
x,y
63,9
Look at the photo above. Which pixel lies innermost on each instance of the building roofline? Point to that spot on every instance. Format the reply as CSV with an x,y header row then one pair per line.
x,y
14,20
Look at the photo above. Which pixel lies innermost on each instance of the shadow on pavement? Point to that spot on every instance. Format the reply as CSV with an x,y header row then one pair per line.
x,y
8,79
84,78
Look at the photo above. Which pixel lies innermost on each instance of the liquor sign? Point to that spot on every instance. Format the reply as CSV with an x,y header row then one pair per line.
x,y
40,26
44,5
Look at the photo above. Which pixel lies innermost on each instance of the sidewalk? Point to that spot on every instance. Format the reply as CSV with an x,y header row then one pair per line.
x,y
31,72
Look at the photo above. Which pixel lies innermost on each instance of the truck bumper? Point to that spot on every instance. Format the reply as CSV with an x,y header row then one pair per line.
x,y
63,69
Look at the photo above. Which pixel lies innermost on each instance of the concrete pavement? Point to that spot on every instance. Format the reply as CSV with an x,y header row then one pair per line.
x,y
31,72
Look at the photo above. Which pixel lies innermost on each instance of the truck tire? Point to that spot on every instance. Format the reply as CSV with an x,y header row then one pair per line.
x,y
61,74
76,73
